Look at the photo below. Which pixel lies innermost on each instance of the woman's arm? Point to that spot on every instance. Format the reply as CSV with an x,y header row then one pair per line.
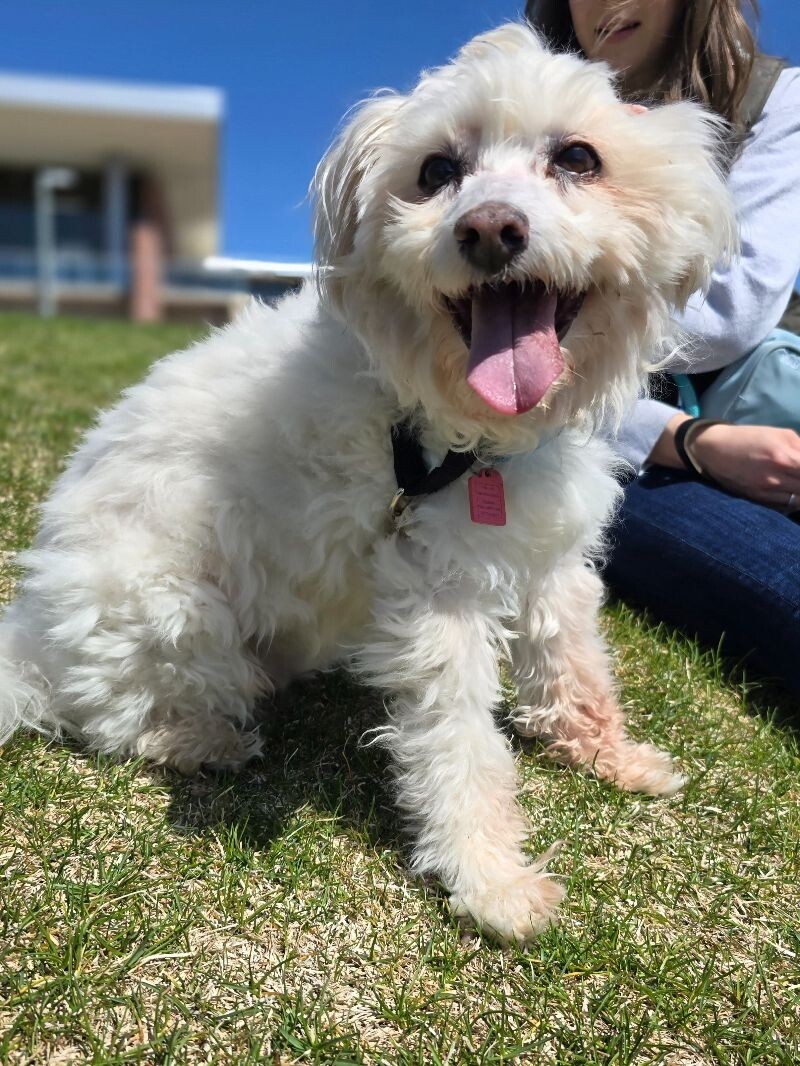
x,y
744,304
759,462
641,430
748,297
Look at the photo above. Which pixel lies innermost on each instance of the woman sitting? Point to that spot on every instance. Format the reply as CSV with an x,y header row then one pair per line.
x,y
705,537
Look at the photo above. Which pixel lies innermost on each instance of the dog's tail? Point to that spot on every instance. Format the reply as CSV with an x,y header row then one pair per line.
x,y
24,690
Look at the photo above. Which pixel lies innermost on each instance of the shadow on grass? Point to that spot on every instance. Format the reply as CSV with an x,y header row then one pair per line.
x,y
314,756
764,696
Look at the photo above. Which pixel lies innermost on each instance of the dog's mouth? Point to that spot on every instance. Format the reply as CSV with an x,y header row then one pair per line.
x,y
513,332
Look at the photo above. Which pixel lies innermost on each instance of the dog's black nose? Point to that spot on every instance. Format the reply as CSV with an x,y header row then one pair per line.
x,y
491,235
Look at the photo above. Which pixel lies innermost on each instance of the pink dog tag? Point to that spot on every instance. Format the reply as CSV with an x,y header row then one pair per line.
x,y
487,498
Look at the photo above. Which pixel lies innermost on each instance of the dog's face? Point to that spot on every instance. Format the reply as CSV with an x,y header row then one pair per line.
x,y
509,237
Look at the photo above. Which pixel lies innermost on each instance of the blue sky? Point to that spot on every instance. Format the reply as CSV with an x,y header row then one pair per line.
x,y
289,72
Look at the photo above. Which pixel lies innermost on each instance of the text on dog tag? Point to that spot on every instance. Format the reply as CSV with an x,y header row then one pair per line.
x,y
487,498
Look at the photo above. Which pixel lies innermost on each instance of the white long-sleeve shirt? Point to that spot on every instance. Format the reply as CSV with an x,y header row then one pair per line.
x,y
747,298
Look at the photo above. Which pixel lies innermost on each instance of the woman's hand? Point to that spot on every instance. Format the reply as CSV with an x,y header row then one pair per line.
x,y
759,462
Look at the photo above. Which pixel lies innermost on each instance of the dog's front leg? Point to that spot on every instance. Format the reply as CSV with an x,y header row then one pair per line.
x,y
435,651
566,691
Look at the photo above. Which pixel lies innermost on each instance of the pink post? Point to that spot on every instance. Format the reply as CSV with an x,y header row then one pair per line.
x,y
146,271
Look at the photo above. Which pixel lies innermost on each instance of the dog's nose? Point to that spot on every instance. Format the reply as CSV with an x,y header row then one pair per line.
x,y
491,235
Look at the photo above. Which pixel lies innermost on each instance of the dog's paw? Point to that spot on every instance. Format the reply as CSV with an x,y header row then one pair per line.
x,y
597,742
179,744
513,912
643,768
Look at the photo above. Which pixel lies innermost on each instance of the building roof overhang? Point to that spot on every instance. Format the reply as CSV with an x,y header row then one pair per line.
x,y
199,103
170,132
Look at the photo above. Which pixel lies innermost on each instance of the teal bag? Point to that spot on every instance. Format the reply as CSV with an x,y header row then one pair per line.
x,y
760,389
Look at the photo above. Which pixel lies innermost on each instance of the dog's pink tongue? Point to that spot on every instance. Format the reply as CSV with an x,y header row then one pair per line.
x,y
514,356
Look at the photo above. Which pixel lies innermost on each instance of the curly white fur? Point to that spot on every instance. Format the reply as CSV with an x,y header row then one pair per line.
x,y
223,529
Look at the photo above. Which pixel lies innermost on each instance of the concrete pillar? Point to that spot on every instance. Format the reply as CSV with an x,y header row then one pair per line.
x,y
146,271
147,252
48,181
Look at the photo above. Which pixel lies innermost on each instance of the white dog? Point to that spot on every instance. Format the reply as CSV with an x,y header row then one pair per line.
x,y
500,251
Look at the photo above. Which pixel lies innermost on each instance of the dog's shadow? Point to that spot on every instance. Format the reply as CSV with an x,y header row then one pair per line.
x,y
316,756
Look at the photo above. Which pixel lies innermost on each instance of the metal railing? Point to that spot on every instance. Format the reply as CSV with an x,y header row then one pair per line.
x,y
72,267
77,270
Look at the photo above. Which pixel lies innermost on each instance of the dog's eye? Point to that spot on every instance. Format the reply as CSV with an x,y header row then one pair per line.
x,y
578,159
438,171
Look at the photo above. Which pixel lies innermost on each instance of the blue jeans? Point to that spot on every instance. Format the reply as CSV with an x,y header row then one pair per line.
x,y
714,565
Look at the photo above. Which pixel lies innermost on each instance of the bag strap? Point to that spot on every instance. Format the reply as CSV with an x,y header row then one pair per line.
x,y
790,320
765,74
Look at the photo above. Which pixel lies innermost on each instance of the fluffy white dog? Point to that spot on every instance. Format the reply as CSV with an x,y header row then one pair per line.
x,y
500,250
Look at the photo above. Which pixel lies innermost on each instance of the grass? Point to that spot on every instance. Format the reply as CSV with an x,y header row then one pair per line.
x,y
268,917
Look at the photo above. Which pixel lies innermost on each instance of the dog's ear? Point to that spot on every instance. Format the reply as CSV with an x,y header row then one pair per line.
x,y
334,189
695,220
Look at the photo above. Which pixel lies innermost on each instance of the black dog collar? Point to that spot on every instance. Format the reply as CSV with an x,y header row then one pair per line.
x,y
411,471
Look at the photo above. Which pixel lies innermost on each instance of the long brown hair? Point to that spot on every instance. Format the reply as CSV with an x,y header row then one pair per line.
x,y
712,64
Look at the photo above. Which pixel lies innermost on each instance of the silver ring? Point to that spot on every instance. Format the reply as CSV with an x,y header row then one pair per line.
x,y
790,501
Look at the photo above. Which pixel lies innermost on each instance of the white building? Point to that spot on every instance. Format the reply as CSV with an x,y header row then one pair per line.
x,y
135,225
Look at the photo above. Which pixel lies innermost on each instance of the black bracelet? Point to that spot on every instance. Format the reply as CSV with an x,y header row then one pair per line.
x,y
684,435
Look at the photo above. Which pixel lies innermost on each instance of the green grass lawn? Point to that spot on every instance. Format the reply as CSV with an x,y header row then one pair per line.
x,y
268,917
